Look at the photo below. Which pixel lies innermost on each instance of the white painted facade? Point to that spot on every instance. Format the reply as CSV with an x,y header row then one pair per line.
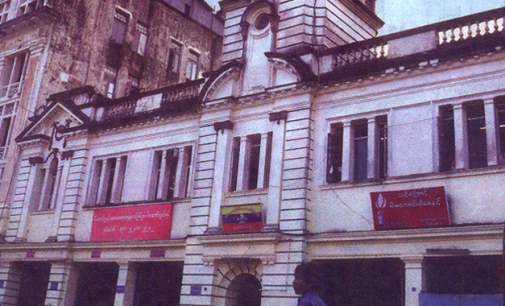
x,y
257,131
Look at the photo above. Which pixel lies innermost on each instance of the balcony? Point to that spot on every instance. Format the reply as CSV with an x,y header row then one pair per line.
x,y
42,13
163,102
11,91
460,37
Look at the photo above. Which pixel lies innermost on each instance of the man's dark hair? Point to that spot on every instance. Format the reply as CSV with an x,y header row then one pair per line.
x,y
311,274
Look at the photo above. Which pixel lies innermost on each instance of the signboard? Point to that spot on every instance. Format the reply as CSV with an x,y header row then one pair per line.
x,y
243,218
414,208
142,222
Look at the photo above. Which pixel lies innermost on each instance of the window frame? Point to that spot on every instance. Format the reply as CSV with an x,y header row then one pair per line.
x,y
170,173
140,39
120,26
107,179
174,57
13,74
4,10
192,65
6,128
46,185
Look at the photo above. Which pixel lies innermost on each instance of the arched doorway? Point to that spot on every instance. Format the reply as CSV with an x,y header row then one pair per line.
x,y
244,290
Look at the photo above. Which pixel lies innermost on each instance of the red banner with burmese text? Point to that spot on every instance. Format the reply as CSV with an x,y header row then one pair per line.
x,y
141,222
414,208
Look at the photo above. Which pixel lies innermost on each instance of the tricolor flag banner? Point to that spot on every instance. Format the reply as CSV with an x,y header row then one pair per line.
x,y
243,218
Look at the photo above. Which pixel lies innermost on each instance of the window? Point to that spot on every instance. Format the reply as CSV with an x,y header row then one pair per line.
x,y
4,10
362,155
174,57
476,129
140,41
132,87
26,6
110,77
45,191
107,180
192,67
334,153
7,112
170,175
382,145
447,148
360,129
500,111
120,26
250,164
12,75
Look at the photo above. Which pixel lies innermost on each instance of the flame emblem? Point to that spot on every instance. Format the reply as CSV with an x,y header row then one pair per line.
x,y
381,202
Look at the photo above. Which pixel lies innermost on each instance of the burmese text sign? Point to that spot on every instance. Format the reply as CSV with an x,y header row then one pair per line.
x,y
414,208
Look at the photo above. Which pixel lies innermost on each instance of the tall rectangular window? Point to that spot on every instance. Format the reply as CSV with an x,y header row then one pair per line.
x,y
476,129
4,10
254,161
382,145
7,112
447,149
235,155
360,129
170,174
107,180
12,75
110,77
250,170
45,185
334,153
140,40
120,26
500,111
174,57
192,67
26,6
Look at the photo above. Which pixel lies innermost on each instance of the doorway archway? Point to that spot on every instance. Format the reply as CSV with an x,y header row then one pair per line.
x,y
244,290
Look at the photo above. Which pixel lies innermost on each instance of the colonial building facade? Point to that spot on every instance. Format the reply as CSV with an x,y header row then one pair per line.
x,y
380,158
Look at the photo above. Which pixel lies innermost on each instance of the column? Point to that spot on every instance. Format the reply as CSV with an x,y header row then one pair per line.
x,y
263,161
372,150
10,281
460,137
413,279
125,289
347,150
273,203
60,192
118,180
243,164
491,132
221,165
62,284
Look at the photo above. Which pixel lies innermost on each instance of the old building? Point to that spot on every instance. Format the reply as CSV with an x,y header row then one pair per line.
x,y
380,158
120,48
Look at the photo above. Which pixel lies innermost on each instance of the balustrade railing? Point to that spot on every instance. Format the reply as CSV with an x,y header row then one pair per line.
x,y
121,109
183,92
360,52
471,28
11,90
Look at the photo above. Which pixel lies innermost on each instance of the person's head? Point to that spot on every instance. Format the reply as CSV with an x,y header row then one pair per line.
x,y
306,278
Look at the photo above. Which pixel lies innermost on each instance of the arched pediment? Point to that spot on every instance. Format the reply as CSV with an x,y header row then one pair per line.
x,y
222,83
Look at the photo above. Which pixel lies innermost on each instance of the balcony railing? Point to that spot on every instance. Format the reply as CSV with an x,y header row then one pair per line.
x,y
172,99
471,28
482,32
11,91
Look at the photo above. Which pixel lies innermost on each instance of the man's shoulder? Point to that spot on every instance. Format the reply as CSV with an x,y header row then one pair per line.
x,y
311,299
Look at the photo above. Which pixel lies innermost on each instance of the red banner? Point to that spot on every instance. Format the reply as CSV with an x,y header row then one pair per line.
x,y
414,208
142,222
